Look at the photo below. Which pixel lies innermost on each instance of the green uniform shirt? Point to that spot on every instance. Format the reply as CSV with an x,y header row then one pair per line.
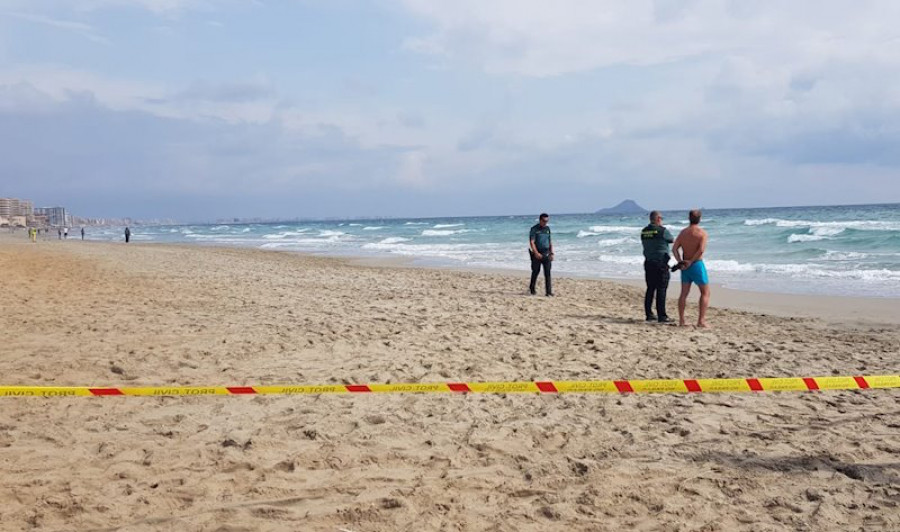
x,y
541,237
656,240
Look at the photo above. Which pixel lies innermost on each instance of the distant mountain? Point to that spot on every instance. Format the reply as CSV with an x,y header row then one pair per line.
x,y
626,207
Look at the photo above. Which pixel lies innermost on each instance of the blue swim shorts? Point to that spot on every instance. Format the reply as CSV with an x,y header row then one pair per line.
x,y
695,274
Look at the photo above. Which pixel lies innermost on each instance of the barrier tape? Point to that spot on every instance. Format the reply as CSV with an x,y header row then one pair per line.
x,y
785,384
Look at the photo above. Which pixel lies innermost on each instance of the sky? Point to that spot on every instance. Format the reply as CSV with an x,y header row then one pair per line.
x,y
205,109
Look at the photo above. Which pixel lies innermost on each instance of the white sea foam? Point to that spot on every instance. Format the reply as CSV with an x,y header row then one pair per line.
x,y
285,234
803,271
611,242
839,226
416,223
329,233
822,230
792,239
761,221
354,225
221,227
443,226
246,230
604,229
845,255
390,240
373,228
443,232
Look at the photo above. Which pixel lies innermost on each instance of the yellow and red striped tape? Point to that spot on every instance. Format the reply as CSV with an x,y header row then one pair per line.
x,y
782,384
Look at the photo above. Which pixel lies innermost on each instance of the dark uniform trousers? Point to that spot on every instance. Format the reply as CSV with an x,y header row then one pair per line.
x,y
656,273
536,269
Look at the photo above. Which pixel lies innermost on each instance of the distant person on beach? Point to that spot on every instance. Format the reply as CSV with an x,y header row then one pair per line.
x,y
656,239
688,250
82,233
540,248
66,233
127,235
59,233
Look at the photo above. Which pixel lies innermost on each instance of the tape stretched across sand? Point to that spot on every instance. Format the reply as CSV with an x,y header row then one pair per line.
x,y
785,384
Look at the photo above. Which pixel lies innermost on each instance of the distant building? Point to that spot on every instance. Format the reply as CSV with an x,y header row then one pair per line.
x,y
9,207
14,211
56,216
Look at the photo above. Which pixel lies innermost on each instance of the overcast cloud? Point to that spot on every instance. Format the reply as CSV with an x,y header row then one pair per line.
x,y
200,109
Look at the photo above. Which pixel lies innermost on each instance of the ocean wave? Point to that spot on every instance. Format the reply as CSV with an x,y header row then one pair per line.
x,y
792,239
603,229
838,226
761,221
443,226
416,223
845,255
610,242
330,233
803,271
394,240
285,234
373,228
442,232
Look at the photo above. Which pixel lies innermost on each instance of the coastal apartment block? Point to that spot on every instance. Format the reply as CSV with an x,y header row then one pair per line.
x,y
16,212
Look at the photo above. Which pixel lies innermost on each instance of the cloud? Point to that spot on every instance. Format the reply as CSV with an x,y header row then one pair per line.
x,y
225,92
85,30
534,38
107,162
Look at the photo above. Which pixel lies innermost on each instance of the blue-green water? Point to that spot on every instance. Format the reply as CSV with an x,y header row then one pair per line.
x,y
838,250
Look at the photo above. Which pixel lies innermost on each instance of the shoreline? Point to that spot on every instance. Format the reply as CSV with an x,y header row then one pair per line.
x,y
849,311
835,310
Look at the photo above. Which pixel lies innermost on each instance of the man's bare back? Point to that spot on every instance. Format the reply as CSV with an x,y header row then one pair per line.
x,y
692,244
688,249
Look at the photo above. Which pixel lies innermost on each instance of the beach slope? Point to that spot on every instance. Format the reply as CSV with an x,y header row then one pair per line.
x,y
114,314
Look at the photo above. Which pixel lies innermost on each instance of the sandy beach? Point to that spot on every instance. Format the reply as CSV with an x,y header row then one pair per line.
x,y
87,313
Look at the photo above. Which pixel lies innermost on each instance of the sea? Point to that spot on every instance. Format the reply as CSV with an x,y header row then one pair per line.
x,y
835,250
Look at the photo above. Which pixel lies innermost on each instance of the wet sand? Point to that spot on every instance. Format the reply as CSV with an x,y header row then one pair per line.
x,y
115,314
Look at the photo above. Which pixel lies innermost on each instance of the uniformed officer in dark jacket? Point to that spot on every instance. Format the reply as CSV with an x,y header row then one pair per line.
x,y
656,239
540,248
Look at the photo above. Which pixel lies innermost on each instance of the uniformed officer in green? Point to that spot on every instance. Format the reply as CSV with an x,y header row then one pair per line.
x,y
656,239
540,248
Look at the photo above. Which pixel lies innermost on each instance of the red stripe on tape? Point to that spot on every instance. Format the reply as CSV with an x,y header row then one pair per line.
x,y
106,391
811,383
458,387
357,387
624,387
754,385
546,387
240,389
692,385
861,382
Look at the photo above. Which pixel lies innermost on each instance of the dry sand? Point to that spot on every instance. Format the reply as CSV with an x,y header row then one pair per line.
x,y
79,313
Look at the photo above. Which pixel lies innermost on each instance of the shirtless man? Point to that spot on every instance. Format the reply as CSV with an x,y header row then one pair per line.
x,y
688,250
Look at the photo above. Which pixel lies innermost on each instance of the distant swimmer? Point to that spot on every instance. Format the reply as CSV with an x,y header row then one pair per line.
x,y
688,250
656,239
127,235
540,248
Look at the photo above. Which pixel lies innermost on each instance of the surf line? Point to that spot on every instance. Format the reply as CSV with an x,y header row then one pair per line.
x,y
739,385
